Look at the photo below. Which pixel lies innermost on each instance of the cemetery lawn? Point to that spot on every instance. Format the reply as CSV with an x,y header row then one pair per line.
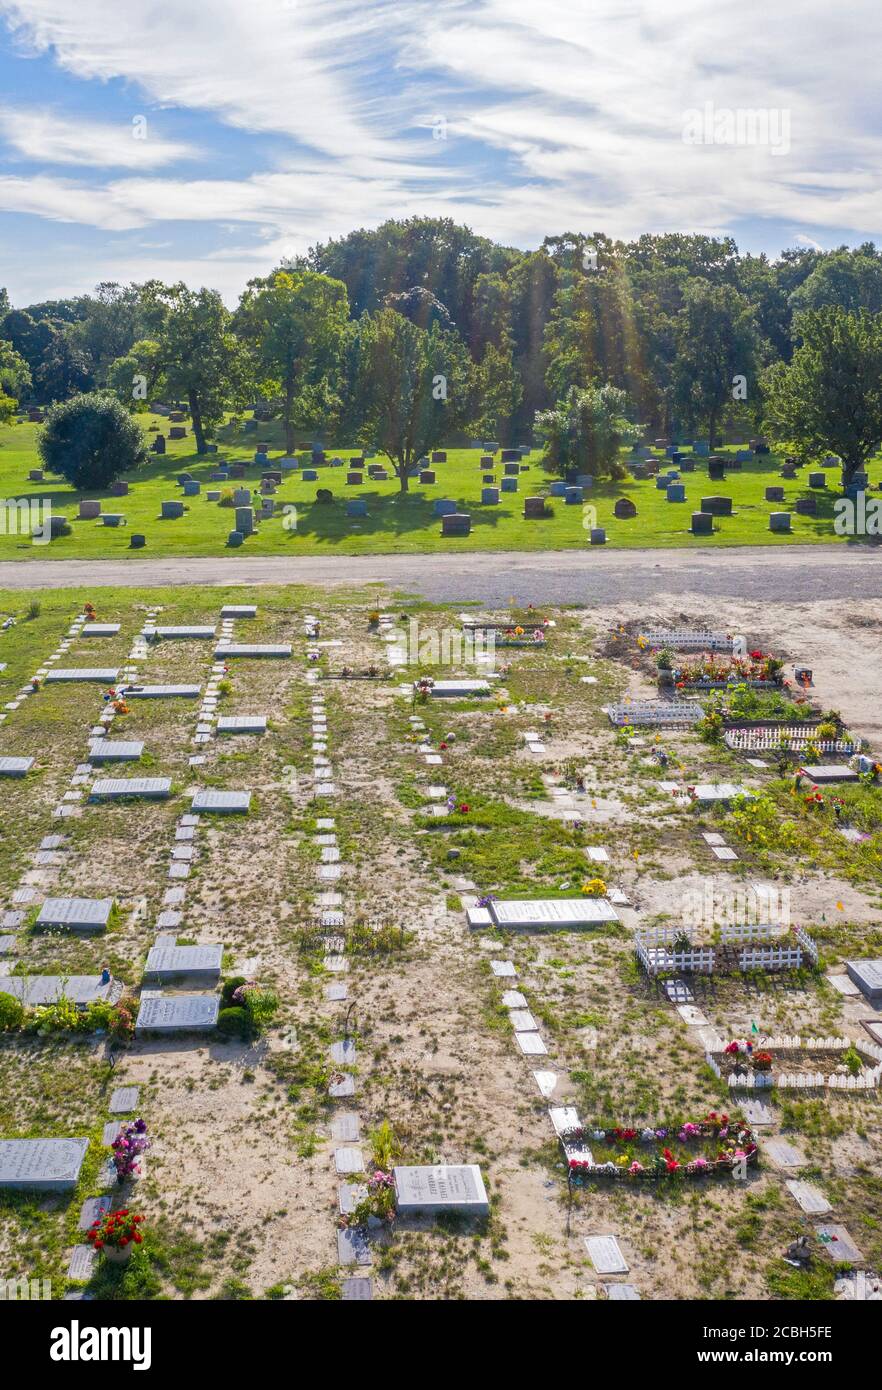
x,y
240,1192
395,523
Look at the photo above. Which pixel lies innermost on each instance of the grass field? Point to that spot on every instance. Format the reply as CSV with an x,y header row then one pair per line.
x,y
394,523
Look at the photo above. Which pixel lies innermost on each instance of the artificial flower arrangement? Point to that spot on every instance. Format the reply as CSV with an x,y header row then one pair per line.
x,y
740,1048
757,667
735,1144
594,888
128,1146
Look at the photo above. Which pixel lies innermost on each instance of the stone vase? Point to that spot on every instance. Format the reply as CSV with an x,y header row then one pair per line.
x,y
118,1254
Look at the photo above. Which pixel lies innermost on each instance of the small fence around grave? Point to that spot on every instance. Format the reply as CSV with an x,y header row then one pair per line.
x,y
674,950
808,1080
654,713
688,640
787,738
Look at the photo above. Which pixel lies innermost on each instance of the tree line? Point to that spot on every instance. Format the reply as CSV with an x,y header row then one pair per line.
x,y
419,332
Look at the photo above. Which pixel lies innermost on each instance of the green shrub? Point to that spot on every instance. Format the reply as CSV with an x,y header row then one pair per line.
x,y
233,1023
11,1013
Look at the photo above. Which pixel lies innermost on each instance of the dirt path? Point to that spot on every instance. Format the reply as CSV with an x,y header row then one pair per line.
x,y
791,574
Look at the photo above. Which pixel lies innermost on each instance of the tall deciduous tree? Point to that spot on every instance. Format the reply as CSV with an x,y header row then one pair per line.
x,y
197,356
716,343
294,323
829,398
415,388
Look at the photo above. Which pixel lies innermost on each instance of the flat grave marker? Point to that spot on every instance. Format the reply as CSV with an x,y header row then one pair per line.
x,y
784,1155
41,1165
867,975
93,1209
167,963
440,1188
178,1013
128,788
605,1255
124,1099
221,802
839,1245
76,914
552,912
810,1198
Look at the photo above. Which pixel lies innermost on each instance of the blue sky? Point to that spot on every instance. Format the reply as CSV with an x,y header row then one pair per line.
x,y
205,139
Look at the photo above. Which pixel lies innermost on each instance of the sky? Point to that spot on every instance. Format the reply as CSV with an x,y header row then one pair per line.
x,y
205,140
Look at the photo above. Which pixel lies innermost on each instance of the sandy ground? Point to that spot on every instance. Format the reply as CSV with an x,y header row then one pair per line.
x,y
247,1165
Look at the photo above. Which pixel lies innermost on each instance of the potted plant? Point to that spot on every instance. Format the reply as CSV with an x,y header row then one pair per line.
x,y
664,662
116,1234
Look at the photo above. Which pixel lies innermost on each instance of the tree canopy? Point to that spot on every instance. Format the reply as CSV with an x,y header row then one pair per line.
x,y
91,440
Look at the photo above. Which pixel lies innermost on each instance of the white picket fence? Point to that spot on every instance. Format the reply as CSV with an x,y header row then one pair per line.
x,y
655,712
797,739
688,640
804,1081
747,931
770,958
807,943
655,948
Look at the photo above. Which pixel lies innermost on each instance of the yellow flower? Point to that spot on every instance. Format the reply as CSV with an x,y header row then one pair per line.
x,y
594,888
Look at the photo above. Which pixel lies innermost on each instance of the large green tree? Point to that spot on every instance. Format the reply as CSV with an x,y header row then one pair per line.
x,y
294,324
716,347
586,431
91,440
193,353
829,398
415,387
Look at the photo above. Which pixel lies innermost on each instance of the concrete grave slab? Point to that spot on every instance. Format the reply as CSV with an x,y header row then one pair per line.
x,y
867,975
41,1165
76,914
216,802
810,1198
124,1099
178,1013
167,963
522,1021
131,788
552,912
348,1161
605,1255
440,1188
783,1154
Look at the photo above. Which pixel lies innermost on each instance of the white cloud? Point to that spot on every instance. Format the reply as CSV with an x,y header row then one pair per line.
x,y
48,137
560,115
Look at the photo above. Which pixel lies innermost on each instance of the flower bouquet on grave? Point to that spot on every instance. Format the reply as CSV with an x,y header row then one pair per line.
x,y
128,1146
762,1061
423,688
116,1234
594,888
